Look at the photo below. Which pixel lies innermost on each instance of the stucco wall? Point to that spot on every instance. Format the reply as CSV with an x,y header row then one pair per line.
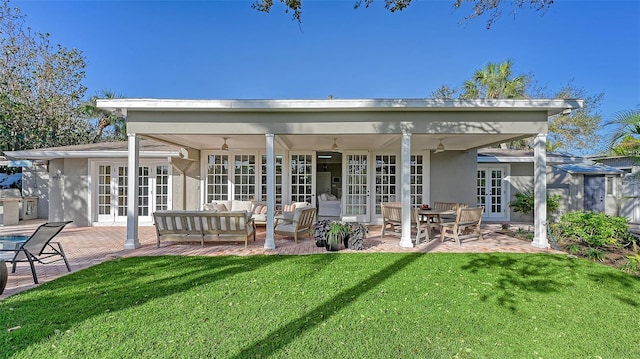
x,y
453,177
35,183
76,195
520,180
186,184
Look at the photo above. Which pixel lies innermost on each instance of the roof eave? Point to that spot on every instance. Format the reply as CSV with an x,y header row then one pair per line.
x,y
49,155
552,106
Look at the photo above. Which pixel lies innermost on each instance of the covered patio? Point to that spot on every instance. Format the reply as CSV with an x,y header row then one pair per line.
x,y
428,146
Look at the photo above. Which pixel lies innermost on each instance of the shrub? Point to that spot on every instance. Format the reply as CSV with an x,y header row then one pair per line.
x,y
595,254
632,264
524,203
573,248
593,229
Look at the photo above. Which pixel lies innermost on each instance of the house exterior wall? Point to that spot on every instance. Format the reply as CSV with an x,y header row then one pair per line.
x,y
76,191
520,180
56,190
186,184
35,183
453,177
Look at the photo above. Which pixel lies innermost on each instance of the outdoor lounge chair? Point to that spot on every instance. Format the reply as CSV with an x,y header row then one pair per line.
x,y
37,248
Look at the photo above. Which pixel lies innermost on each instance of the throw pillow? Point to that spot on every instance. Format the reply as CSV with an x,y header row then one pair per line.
x,y
220,207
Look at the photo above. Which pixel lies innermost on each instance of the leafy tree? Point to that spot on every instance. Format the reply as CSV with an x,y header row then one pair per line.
x,y
106,119
579,129
445,92
40,88
627,146
492,8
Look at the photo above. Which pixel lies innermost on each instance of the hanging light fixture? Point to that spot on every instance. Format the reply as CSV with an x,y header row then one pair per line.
x,y
439,148
334,147
224,146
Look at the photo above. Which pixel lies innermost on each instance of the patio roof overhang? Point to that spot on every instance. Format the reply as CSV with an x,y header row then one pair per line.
x,y
314,124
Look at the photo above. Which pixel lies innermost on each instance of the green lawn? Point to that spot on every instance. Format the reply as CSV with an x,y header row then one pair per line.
x,y
345,305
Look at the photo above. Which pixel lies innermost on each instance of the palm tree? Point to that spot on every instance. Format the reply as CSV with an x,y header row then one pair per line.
x,y
106,118
495,81
627,123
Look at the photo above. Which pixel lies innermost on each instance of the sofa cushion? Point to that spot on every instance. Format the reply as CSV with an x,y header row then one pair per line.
x,y
258,209
209,207
323,197
241,206
286,227
301,204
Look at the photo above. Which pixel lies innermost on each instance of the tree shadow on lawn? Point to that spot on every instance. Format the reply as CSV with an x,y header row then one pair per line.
x,y
510,273
544,273
627,285
280,337
117,285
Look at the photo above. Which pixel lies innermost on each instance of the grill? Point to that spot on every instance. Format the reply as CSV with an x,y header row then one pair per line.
x,y
16,207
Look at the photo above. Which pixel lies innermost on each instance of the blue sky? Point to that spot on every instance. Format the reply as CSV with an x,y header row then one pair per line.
x,y
227,50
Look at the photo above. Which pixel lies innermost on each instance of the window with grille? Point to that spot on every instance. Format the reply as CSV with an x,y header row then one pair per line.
x,y
416,181
386,187
263,183
217,178
301,181
162,188
245,177
104,189
143,191
122,191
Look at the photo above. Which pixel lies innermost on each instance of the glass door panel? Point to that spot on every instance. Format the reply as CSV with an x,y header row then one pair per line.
x,y
355,197
490,192
303,187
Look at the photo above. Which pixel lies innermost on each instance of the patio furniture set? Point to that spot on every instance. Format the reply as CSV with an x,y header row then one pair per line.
x,y
453,220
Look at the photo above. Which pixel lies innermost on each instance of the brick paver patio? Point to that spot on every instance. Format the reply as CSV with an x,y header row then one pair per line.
x,y
88,246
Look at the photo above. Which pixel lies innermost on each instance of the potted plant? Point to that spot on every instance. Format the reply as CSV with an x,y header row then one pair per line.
x,y
357,233
320,232
336,234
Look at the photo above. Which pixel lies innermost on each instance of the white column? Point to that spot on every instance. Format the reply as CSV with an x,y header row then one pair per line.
x,y
270,242
540,191
405,193
132,241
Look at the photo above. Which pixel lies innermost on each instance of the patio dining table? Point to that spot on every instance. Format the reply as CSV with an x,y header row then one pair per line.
x,y
433,217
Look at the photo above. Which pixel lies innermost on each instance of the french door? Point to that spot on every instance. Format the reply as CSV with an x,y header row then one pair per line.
x,y
491,192
303,174
356,199
154,183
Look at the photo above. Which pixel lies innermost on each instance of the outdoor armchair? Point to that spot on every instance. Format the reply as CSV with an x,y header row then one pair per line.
x,y
301,222
38,248
466,225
